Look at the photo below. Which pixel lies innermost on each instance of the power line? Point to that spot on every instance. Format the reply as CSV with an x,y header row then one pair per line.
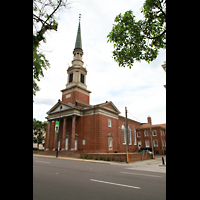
x,y
134,117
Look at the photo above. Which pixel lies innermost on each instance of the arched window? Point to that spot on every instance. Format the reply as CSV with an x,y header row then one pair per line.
x,y
123,135
129,136
134,137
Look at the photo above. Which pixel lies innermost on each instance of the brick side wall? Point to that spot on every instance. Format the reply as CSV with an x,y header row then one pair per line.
x,y
132,147
75,95
119,156
96,133
159,150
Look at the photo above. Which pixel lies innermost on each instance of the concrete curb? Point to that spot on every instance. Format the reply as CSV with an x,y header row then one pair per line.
x,y
137,165
70,158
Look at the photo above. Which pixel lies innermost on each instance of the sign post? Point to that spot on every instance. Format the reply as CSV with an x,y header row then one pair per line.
x,y
57,131
83,149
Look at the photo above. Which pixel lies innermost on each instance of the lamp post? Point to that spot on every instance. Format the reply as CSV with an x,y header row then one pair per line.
x,y
151,138
58,129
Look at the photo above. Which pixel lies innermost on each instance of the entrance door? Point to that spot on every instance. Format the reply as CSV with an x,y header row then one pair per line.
x,y
139,145
75,144
66,144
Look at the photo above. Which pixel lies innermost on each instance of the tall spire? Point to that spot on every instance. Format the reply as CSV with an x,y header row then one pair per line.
x,y
78,44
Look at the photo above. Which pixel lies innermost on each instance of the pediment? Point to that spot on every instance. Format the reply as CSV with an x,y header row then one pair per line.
x,y
56,107
110,106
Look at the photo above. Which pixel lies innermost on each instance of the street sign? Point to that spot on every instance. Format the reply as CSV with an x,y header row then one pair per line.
x,y
57,127
83,142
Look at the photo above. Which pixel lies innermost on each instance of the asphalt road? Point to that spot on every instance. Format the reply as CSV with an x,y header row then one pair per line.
x,y
69,179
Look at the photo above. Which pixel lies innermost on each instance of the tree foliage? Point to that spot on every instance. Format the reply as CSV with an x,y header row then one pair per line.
x,y
139,40
39,128
44,18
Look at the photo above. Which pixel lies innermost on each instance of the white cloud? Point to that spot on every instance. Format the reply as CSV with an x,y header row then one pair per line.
x,y
140,88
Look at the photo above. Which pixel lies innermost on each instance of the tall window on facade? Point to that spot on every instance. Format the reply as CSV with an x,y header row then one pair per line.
x,y
129,136
123,135
82,78
147,143
109,123
70,77
110,141
155,143
138,134
145,133
154,133
134,136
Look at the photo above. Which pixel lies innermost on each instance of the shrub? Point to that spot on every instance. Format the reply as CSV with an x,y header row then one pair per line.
x,y
86,156
96,157
101,158
108,158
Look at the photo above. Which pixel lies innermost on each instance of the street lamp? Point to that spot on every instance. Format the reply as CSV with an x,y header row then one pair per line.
x,y
58,128
151,138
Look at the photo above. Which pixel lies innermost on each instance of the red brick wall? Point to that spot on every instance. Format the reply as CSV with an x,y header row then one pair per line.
x,y
76,95
132,147
157,137
120,156
94,130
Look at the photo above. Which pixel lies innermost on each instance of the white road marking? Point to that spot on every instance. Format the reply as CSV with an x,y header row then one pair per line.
x,y
141,174
42,161
130,186
148,170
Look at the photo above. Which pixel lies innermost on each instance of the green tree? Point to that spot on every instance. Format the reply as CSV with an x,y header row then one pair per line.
x,y
139,40
39,128
44,18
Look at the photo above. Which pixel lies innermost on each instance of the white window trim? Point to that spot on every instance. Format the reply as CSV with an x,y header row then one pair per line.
x,y
146,135
137,134
123,132
129,136
110,143
134,136
109,123
154,131
146,143
140,142
154,143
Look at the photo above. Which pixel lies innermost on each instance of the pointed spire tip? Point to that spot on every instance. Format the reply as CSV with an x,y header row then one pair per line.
x,y
79,17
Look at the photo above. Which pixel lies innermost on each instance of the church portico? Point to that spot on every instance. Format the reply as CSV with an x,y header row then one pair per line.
x,y
67,131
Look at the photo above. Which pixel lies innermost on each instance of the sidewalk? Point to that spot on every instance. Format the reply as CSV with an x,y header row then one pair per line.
x,y
154,165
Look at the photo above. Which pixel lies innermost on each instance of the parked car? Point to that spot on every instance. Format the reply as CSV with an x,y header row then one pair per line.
x,y
147,151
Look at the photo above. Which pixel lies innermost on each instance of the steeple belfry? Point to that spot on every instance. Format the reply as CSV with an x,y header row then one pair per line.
x,y
76,88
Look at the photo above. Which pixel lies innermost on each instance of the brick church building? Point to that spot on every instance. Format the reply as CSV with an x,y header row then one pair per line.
x,y
101,126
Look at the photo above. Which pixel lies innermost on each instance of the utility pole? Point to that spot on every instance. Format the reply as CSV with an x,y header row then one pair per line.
x,y
126,121
151,138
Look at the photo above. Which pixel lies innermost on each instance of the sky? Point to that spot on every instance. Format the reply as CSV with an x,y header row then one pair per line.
x,y
140,88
